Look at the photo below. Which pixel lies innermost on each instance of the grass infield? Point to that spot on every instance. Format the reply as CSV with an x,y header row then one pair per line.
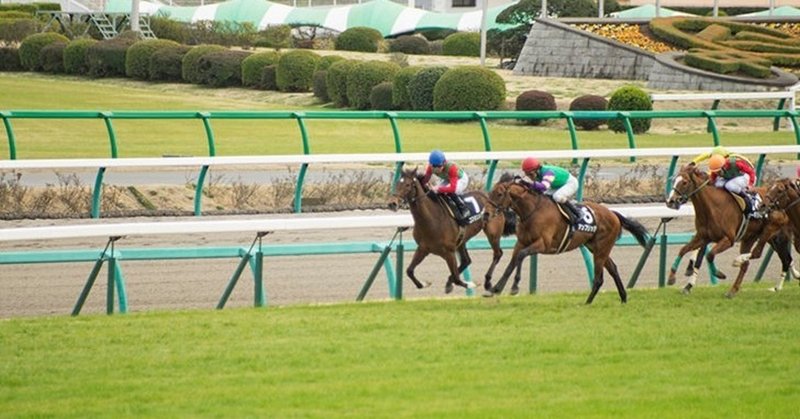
x,y
661,355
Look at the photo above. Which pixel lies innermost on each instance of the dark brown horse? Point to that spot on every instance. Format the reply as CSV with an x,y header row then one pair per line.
x,y
542,228
436,231
784,195
719,220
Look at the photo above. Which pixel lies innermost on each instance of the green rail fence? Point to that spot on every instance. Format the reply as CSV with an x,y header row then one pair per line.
x,y
392,117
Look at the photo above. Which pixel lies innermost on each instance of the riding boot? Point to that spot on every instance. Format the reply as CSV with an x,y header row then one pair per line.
x,y
462,212
748,203
572,211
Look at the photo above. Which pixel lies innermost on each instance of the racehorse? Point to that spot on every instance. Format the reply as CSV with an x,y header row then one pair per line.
x,y
719,219
436,231
784,195
542,228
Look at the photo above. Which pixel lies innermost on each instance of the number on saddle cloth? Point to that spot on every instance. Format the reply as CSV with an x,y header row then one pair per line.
x,y
586,223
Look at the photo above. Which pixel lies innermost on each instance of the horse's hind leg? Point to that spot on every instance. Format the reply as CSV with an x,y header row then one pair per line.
x,y
465,259
497,253
611,267
419,256
597,282
780,244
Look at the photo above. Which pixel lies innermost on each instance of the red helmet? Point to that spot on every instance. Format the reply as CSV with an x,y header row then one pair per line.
x,y
530,164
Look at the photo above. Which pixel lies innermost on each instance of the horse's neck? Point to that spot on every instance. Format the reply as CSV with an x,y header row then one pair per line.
x,y
710,200
525,204
793,212
424,211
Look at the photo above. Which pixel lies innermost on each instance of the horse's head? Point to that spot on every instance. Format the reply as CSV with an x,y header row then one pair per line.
x,y
686,183
505,191
406,189
782,195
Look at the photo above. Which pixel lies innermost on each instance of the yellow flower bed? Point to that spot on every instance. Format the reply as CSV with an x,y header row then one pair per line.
x,y
628,34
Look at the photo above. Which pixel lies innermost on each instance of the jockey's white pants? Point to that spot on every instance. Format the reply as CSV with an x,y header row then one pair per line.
x,y
736,185
564,193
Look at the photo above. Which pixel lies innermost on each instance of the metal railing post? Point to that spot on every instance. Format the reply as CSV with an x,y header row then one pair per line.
x,y
12,143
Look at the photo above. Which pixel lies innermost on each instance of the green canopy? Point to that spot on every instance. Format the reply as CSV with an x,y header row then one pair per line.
x,y
778,11
387,17
647,11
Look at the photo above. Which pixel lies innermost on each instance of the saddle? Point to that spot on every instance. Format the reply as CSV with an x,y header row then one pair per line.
x,y
749,204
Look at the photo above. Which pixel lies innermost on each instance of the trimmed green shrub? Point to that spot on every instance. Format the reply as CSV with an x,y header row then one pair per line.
x,y
409,44
535,100
27,8
275,36
320,87
465,44
589,103
359,38
327,61
420,87
436,34
31,47
166,28
9,59
295,71
107,58
52,57
469,88
253,67
380,98
13,31
221,68
630,98
400,96
137,59
268,79
166,63
15,14
365,76
336,80
189,64
75,56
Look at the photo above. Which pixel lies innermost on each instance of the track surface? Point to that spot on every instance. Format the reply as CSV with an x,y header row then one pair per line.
x,y
52,289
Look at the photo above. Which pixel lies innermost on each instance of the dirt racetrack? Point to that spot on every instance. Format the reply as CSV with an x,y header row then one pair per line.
x,y
52,289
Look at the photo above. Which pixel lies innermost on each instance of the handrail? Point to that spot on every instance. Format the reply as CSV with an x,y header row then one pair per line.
x,y
300,117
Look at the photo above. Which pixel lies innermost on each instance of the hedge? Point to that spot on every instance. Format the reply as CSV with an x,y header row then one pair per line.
x,y
253,67
336,80
466,44
365,76
189,63
420,87
469,88
166,63
221,68
137,59
358,38
295,71
31,47
75,61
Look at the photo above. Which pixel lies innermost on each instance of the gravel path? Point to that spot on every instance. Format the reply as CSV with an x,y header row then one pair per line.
x,y
52,289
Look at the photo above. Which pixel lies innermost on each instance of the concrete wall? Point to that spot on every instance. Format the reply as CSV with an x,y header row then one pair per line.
x,y
558,50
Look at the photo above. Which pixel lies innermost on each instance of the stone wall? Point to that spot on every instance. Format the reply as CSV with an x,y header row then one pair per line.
x,y
669,74
558,50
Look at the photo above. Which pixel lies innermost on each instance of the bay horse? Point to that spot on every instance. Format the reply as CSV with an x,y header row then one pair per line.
x,y
541,228
784,195
436,231
719,220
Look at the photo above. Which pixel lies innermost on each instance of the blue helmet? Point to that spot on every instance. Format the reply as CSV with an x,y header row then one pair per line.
x,y
436,158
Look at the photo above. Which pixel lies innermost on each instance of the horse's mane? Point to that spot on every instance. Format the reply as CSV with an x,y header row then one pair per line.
x,y
506,177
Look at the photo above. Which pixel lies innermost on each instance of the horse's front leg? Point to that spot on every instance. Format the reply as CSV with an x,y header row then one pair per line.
x,y
497,253
501,283
780,244
718,248
419,256
455,278
694,243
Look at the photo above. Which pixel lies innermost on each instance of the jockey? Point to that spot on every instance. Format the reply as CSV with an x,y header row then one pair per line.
x,y
721,151
453,182
734,174
554,181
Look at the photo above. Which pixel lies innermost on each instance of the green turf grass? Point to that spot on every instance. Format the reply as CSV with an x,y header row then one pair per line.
x,y
138,138
661,355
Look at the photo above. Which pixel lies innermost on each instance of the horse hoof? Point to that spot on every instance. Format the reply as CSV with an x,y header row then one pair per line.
x,y
687,289
448,288
471,285
729,295
514,291
671,279
774,289
488,294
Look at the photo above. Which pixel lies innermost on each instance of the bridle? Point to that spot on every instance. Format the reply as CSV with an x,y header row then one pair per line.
x,y
411,196
785,194
685,196
499,208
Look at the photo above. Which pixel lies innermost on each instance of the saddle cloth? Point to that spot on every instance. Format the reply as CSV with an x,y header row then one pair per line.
x,y
585,223
755,204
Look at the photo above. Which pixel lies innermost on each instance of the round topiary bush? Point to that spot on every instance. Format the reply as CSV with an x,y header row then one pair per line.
x,y
365,76
31,47
268,81
466,44
420,87
137,60
13,31
359,38
380,98
9,59
400,97
189,63
166,64
469,88
107,58
589,103
535,100
320,87
52,57
75,56
253,67
336,80
295,71
327,61
630,98
409,44
221,68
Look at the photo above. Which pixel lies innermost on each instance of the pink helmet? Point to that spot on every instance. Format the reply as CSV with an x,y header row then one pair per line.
x,y
530,164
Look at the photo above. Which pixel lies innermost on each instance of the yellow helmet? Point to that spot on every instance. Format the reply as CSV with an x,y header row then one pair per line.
x,y
716,162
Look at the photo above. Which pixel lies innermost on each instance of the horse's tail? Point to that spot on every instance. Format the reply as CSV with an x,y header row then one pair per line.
x,y
634,227
510,226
